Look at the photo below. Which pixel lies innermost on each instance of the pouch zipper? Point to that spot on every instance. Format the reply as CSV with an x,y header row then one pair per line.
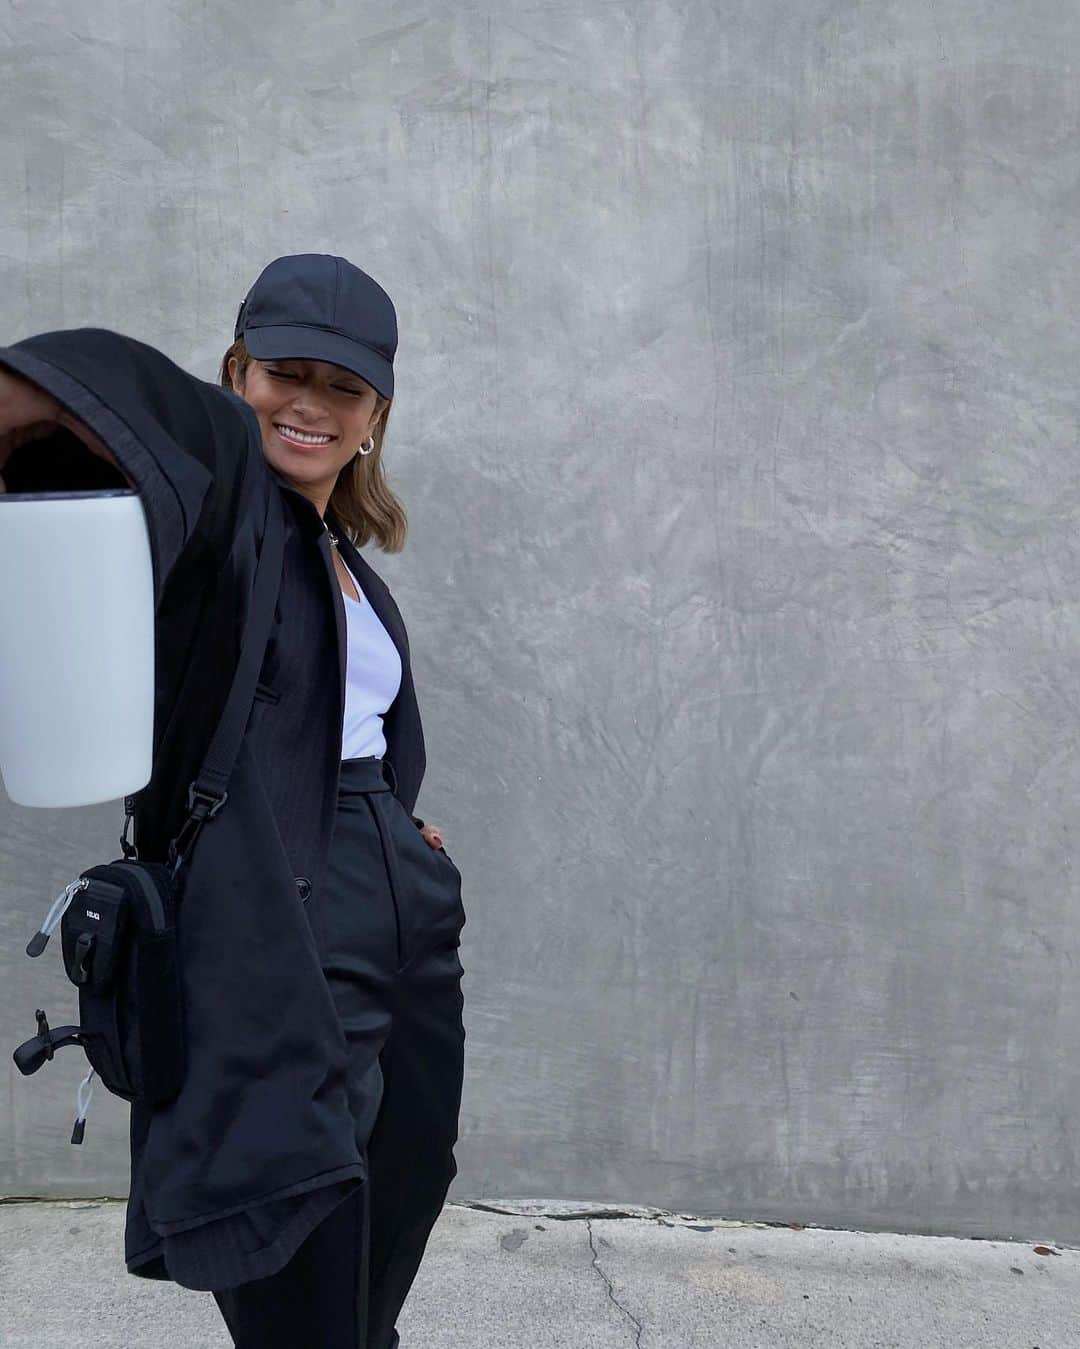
x,y
153,899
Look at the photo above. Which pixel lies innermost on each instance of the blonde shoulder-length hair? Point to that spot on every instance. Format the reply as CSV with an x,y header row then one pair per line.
x,y
362,498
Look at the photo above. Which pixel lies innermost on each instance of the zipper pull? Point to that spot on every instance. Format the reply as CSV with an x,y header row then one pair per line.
x,y
82,1106
40,939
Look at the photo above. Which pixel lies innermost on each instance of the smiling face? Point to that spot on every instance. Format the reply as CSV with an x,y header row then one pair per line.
x,y
314,416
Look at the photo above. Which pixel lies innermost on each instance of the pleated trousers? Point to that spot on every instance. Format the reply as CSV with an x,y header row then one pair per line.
x,y
387,926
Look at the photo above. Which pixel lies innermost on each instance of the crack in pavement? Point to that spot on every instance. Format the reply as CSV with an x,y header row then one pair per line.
x,y
610,1289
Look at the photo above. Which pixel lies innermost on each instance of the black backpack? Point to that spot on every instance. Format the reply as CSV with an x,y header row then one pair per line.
x,y
118,920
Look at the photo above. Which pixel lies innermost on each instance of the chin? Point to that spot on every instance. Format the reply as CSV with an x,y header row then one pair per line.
x,y
294,465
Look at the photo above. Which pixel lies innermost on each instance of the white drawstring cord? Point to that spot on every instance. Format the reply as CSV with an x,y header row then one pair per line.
x,y
59,908
82,1106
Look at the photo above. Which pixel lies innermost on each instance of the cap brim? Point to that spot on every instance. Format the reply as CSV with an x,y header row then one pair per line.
x,y
294,341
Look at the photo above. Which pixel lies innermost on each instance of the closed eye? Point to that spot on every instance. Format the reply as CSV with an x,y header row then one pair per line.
x,y
288,374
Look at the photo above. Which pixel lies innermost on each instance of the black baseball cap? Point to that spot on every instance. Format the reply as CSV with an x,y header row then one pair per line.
x,y
321,308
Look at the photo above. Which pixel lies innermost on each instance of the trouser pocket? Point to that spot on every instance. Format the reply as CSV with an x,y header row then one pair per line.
x,y
447,858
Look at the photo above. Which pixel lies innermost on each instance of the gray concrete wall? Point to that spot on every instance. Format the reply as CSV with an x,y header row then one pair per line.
x,y
737,424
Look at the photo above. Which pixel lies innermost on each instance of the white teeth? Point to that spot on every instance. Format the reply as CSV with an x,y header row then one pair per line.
x,y
304,437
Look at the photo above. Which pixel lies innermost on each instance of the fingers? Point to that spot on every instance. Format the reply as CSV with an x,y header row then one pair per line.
x,y
93,442
19,435
16,436
11,439
28,413
22,402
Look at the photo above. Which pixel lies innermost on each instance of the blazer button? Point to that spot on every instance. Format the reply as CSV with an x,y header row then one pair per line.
x,y
303,887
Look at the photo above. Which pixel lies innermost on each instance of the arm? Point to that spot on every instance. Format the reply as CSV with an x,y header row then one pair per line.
x,y
192,450
28,413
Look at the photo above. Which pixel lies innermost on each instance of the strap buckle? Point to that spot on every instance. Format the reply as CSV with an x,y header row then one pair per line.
x,y
203,804
129,849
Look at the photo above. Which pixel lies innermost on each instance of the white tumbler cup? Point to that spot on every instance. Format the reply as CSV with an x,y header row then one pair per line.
x,y
76,647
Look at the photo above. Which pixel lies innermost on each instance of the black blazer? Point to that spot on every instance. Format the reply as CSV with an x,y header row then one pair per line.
x,y
262,1120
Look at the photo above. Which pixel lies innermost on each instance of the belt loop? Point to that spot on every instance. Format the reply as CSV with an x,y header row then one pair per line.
x,y
388,767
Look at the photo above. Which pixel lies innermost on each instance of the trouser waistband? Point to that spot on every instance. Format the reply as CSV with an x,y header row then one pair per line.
x,y
369,774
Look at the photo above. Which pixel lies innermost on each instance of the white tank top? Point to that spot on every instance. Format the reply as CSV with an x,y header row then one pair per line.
x,y
372,679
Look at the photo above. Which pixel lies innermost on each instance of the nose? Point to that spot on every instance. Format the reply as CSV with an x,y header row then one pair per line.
x,y
306,403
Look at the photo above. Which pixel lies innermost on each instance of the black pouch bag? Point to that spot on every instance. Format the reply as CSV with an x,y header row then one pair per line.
x,y
119,942
119,920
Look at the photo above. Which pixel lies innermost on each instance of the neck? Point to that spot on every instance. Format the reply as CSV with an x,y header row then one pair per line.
x,y
319,498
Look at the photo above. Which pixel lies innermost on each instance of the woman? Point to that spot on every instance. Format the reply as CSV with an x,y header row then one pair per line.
x,y
301,1170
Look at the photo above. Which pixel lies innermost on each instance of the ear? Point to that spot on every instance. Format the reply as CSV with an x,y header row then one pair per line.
x,y
233,366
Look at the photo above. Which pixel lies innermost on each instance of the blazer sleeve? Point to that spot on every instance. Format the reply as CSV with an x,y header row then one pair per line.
x,y
193,449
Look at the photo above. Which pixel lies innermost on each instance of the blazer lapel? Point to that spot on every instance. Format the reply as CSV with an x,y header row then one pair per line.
x,y
372,591
401,724
339,618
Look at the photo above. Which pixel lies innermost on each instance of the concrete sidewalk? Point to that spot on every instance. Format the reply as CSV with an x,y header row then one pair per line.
x,y
532,1276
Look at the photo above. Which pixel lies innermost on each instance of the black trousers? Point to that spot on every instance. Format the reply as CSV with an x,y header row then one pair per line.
x,y
388,927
